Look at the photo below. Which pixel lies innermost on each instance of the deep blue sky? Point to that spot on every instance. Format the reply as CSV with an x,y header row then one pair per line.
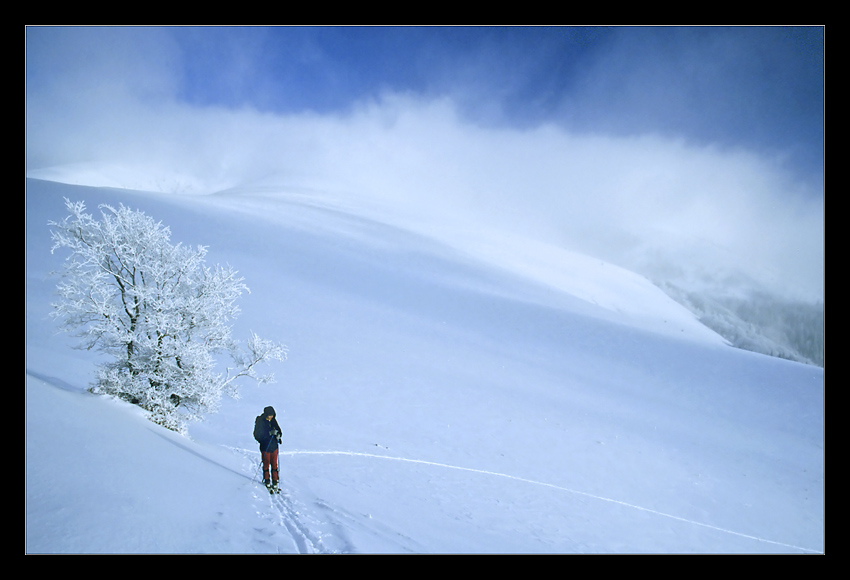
x,y
756,87
760,87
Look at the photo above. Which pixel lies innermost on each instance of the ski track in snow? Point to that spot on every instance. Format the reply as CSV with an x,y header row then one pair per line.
x,y
305,540
308,542
284,511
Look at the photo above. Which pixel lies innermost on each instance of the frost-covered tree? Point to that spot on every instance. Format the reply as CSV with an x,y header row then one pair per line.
x,y
159,312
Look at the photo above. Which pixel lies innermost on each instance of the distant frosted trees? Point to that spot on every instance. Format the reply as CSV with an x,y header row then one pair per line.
x,y
159,312
761,322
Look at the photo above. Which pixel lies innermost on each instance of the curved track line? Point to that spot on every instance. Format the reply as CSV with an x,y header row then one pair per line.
x,y
558,487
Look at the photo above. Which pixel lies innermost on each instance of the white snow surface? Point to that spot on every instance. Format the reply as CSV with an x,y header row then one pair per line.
x,y
447,391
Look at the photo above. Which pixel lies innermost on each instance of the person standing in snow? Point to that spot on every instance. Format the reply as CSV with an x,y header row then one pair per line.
x,y
268,435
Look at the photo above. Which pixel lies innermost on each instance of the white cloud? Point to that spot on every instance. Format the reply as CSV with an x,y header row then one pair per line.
x,y
643,202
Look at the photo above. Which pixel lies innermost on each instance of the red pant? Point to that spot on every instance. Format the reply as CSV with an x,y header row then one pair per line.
x,y
270,461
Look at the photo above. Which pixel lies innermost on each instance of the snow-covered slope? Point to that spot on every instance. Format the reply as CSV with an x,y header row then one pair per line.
x,y
446,391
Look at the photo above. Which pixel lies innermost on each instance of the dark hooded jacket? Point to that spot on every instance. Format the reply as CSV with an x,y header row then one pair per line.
x,y
267,433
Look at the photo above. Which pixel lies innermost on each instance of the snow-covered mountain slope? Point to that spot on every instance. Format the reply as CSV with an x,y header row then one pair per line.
x,y
446,391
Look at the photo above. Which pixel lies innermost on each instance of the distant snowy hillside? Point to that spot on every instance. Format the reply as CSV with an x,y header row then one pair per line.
x,y
749,317
447,391
760,322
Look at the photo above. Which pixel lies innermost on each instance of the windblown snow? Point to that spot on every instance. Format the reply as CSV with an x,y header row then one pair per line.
x,y
447,391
